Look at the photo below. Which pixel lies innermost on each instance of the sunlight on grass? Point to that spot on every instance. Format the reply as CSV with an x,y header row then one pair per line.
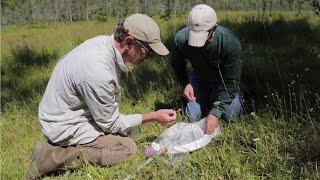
x,y
280,140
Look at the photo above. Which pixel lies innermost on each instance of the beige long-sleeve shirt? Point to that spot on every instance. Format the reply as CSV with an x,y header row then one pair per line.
x,y
81,101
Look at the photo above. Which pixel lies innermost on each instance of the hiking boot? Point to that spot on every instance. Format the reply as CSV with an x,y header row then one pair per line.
x,y
46,158
33,172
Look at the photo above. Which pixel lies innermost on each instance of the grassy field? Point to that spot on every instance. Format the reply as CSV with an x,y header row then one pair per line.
x,y
278,139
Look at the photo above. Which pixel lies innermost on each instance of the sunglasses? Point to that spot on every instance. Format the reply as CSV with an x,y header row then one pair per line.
x,y
145,46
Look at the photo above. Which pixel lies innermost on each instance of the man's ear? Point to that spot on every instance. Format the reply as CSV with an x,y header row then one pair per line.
x,y
128,40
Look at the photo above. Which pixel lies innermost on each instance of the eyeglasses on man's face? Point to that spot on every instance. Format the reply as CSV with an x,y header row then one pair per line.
x,y
145,46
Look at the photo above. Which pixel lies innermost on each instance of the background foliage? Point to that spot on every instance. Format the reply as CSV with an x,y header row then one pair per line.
x,y
53,11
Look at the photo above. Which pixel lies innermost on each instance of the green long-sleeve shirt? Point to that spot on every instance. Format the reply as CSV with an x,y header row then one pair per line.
x,y
217,62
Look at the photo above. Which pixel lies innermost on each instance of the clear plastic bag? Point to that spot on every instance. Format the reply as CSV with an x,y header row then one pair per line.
x,y
182,138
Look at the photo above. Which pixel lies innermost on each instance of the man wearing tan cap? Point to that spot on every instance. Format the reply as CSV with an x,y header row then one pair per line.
x,y
214,53
79,112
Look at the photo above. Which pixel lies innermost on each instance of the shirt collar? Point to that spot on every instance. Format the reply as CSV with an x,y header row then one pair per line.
x,y
118,58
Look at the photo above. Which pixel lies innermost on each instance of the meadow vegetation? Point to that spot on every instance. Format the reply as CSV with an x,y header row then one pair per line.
x,y
279,138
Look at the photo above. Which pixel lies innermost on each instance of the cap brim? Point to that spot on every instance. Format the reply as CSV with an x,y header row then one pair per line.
x,y
197,38
159,48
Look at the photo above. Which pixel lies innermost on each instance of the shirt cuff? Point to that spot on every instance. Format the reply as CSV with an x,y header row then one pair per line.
x,y
216,112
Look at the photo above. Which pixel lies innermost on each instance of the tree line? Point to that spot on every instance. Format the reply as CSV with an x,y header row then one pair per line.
x,y
53,11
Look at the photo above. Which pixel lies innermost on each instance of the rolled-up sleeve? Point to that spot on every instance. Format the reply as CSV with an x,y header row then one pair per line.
x,y
101,99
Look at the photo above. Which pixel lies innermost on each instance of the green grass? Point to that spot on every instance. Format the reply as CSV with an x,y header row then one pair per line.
x,y
281,58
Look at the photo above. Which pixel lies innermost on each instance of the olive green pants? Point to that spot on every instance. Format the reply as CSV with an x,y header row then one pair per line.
x,y
105,150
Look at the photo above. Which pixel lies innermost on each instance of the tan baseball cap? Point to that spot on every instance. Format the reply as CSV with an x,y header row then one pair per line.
x,y
143,28
201,19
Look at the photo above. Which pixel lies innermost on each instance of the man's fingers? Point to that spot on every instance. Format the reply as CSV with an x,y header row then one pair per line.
x,y
172,117
187,96
190,97
210,126
209,130
172,113
169,123
191,94
167,116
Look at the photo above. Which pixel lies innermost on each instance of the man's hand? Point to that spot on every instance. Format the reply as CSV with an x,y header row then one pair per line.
x,y
211,124
166,116
188,93
163,116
